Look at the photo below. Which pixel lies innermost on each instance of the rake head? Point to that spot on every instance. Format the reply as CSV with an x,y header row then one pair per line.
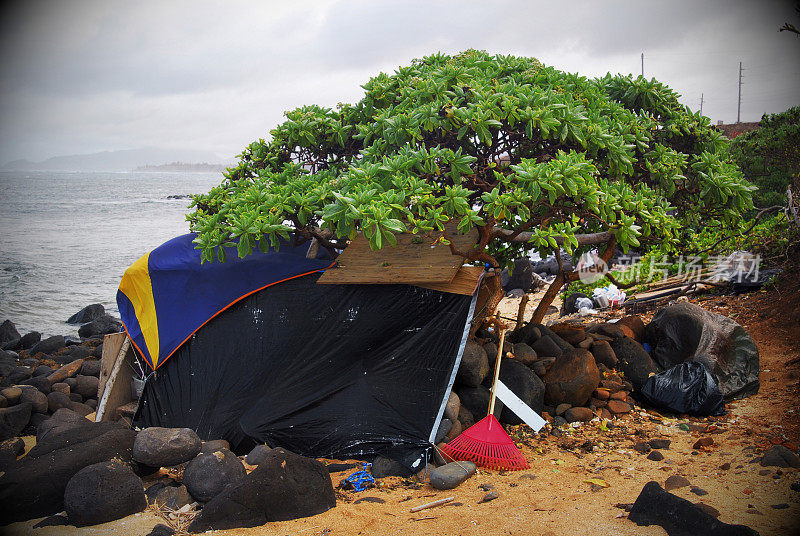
x,y
487,445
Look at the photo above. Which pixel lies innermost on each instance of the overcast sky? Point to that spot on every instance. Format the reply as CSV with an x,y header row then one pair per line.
x,y
87,76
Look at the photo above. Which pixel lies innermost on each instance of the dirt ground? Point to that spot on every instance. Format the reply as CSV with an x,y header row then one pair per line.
x,y
553,497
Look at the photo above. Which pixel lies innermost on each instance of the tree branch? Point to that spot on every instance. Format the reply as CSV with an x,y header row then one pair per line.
x,y
523,237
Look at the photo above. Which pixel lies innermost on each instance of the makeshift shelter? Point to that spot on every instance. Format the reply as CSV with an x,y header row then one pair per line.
x,y
255,351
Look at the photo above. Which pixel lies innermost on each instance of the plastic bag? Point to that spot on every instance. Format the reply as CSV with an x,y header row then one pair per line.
x,y
685,388
608,296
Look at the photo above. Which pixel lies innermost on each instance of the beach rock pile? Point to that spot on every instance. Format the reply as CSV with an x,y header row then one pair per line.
x,y
572,372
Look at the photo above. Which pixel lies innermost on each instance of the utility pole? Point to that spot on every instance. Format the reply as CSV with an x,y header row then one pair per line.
x,y
701,104
642,64
739,106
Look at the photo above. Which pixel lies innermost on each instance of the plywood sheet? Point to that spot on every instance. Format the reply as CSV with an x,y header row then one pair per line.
x,y
120,389
414,260
111,346
465,282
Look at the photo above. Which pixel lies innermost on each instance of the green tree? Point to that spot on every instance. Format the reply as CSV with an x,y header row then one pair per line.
x,y
769,157
534,158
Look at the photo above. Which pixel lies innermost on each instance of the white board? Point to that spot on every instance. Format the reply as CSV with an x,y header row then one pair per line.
x,y
520,408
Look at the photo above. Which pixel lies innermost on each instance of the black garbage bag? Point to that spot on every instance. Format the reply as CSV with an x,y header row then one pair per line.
x,y
685,388
687,332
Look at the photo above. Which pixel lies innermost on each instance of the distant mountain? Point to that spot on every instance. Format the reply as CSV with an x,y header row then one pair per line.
x,y
125,160
183,166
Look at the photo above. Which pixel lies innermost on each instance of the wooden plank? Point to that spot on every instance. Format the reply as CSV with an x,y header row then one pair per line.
x,y
117,391
465,282
111,345
415,259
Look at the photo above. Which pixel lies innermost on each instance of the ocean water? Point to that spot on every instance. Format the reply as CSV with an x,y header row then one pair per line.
x,y
66,238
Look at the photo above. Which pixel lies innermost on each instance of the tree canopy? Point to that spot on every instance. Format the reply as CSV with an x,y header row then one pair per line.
x,y
533,157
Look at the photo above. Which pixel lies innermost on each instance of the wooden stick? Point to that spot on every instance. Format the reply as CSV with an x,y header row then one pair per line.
x,y
497,370
521,311
431,504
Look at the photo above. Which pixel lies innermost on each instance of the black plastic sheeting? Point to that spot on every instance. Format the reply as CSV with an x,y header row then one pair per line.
x,y
687,332
685,388
337,371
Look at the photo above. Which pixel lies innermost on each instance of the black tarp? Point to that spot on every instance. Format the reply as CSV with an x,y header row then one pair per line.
x,y
336,371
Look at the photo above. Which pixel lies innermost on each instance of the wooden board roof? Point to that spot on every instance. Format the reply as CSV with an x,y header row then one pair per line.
x,y
416,260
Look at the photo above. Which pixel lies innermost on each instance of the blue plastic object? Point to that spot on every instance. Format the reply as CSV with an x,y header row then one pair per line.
x,y
361,479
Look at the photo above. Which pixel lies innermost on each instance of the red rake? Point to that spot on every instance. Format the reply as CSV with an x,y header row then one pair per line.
x,y
486,443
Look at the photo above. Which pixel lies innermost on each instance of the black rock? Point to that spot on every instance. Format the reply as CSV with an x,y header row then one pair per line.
x,y
79,407
86,386
474,365
63,419
29,339
173,497
17,376
634,361
524,383
165,447
8,332
528,334
521,277
603,354
75,397
257,455
73,353
8,363
451,475
57,520
383,467
91,368
570,304
35,398
660,443
152,490
208,474
97,328
42,370
561,343
98,351
35,485
286,486
50,345
9,450
679,517
162,530
655,456
57,400
40,382
780,456
87,314
476,400
103,492
13,420
339,467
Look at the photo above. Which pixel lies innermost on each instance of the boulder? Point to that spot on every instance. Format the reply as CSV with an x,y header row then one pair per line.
x,y
39,382
571,379
81,408
29,339
528,334
452,407
214,445
91,367
72,353
86,386
578,414
50,345
8,332
41,370
570,305
524,383
286,486
545,347
444,428
63,419
57,400
524,354
14,419
99,327
9,450
451,475
60,388
633,326
383,467
67,371
474,365
677,516
780,456
571,334
87,314
520,277
36,399
257,455
35,485
465,417
603,354
173,497
165,447
208,474
103,492
16,376
561,343
476,400
633,361
7,363
162,530
685,331
11,394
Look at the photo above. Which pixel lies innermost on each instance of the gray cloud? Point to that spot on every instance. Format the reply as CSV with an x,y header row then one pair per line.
x,y
95,75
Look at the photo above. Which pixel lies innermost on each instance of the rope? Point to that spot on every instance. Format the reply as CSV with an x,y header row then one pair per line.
x,y
361,479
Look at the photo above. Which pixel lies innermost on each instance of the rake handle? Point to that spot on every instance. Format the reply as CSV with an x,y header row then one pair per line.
x,y
497,370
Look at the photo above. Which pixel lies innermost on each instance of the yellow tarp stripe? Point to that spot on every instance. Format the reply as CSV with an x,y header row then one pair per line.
x,y
137,287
